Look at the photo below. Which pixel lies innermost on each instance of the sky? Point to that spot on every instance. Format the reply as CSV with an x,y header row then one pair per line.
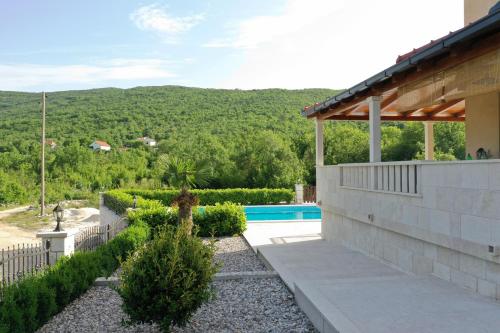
x,y
57,45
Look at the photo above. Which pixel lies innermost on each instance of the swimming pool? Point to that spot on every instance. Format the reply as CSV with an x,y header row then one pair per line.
x,y
282,213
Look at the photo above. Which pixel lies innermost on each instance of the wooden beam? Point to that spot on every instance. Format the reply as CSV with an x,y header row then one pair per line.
x,y
443,107
389,100
337,112
399,118
363,107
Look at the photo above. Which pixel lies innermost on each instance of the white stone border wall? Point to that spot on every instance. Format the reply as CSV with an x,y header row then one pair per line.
x,y
106,215
445,232
62,243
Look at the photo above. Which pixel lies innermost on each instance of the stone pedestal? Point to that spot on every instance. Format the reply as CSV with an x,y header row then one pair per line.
x,y
299,193
59,243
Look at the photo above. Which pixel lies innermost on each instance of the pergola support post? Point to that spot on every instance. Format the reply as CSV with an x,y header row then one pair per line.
x,y
375,132
429,140
320,160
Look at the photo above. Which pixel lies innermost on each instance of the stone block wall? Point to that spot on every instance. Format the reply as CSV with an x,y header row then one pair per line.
x,y
444,231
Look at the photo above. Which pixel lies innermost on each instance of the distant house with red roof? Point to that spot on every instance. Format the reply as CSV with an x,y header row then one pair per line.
x,y
100,146
51,143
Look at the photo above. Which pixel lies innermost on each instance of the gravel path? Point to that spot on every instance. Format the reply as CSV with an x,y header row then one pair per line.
x,y
248,305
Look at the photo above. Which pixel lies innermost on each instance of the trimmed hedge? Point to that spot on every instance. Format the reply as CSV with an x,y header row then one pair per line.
x,y
118,201
243,196
227,219
30,303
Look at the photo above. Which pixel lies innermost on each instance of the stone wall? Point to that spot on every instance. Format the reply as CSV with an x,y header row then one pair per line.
x,y
446,230
106,215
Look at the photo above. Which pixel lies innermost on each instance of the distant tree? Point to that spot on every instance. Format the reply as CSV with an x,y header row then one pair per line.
x,y
346,143
267,160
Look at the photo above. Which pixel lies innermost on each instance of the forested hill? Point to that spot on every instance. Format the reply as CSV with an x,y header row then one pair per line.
x,y
170,112
251,138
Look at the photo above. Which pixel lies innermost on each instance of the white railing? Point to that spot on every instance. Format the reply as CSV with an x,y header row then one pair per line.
x,y
399,177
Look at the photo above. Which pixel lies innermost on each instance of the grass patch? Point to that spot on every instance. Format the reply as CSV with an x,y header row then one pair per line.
x,y
30,220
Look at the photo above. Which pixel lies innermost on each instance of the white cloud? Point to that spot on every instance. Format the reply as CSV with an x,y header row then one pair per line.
x,y
297,14
335,44
155,18
28,76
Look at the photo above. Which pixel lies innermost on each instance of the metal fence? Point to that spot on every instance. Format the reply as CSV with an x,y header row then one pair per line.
x,y
90,238
21,260
309,193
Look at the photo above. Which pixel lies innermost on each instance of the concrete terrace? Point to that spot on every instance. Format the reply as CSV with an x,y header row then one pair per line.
x,y
344,290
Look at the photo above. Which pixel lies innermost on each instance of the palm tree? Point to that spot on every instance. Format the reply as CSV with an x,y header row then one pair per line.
x,y
184,175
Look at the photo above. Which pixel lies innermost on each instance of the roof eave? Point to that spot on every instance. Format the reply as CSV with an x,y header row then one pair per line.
x,y
484,25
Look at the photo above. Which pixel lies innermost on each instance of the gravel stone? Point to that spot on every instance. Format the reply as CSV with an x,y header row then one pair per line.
x,y
249,305
98,310
245,305
236,256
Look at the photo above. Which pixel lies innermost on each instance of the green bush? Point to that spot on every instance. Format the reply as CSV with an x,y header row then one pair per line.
x,y
118,201
220,220
154,217
227,219
243,196
27,305
168,279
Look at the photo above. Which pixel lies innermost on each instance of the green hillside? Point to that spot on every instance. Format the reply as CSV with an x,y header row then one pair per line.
x,y
217,125
251,138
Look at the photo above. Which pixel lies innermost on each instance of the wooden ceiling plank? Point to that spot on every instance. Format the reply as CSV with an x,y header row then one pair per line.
x,y
480,48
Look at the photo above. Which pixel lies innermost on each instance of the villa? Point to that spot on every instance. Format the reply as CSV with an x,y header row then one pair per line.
x,y
100,146
51,143
410,246
147,141
410,213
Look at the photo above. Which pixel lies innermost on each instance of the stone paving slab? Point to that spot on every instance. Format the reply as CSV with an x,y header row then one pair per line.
x,y
267,233
343,290
321,261
407,304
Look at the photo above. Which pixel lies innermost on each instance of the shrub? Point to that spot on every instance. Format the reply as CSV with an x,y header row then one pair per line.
x,y
28,304
154,217
118,201
207,197
168,279
220,220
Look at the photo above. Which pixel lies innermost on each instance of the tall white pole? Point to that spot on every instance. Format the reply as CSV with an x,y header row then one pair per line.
x,y
42,171
429,140
375,131
319,143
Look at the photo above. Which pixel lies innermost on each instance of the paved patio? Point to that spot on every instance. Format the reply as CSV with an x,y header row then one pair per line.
x,y
263,233
342,290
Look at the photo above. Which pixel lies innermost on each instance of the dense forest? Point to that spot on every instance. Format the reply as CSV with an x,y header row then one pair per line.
x,y
253,138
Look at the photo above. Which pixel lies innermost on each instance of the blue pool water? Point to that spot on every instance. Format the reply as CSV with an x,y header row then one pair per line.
x,y
282,213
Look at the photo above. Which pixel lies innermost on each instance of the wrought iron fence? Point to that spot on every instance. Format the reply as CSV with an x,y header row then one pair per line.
x,y
21,260
90,238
